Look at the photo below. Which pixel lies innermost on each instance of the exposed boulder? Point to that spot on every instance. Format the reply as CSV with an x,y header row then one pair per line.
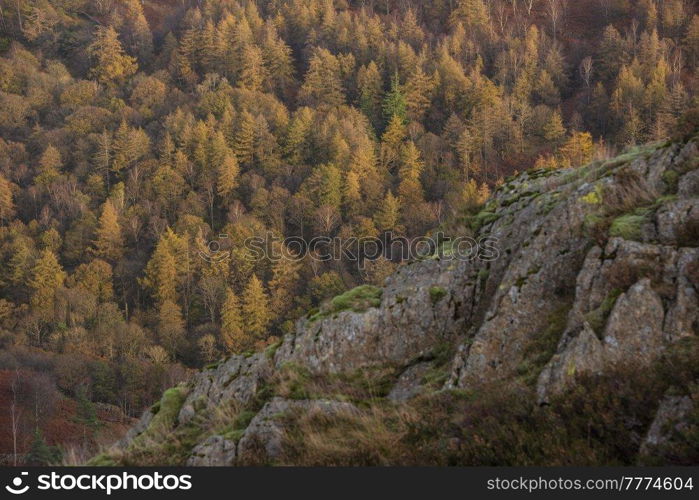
x,y
262,442
213,451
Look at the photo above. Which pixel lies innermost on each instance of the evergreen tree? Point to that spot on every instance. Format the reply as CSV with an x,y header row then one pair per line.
x,y
40,453
394,104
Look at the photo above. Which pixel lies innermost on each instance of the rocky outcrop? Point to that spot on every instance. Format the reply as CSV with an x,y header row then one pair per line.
x,y
213,451
262,442
671,418
596,267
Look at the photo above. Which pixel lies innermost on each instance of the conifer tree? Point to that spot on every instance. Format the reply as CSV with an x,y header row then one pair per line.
x,y
227,179
50,164
370,85
244,143
171,327
255,309
109,243
394,104
322,86
112,65
389,212
47,277
7,206
232,333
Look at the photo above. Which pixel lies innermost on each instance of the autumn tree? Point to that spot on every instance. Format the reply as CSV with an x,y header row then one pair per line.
x,y
112,66
577,150
109,242
47,277
234,337
255,309
7,207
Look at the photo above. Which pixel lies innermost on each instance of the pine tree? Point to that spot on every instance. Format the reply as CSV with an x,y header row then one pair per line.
x,y
232,333
255,309
109,243
40,453
112,65
394,104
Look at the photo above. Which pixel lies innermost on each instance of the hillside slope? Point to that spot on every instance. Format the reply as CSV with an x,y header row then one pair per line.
x,y
577,345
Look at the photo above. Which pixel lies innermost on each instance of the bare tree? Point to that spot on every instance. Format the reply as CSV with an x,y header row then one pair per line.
x,y
15,413
586,70
530,5
555,10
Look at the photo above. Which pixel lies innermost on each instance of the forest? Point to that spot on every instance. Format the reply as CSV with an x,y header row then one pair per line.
x,y
134,133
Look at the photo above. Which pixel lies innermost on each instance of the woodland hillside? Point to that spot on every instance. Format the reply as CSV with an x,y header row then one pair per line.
x,y
142,139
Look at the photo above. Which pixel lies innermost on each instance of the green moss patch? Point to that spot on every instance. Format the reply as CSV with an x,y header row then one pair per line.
x,y
437,293
597,318
358,299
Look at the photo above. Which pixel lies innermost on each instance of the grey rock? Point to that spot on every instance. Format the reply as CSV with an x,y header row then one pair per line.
x,y
213,451
409,383
671,417
263,440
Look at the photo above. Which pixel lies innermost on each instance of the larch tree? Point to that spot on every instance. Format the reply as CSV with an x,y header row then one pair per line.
x,y
322,86
112,66
244,142
388,215
255,308
370,85
227,180
50,165
47,277
171,327
109,242
7,206
233,336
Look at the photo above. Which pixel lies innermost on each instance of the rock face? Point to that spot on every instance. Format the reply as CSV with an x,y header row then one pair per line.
x,y
597,266
262,441
214,451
